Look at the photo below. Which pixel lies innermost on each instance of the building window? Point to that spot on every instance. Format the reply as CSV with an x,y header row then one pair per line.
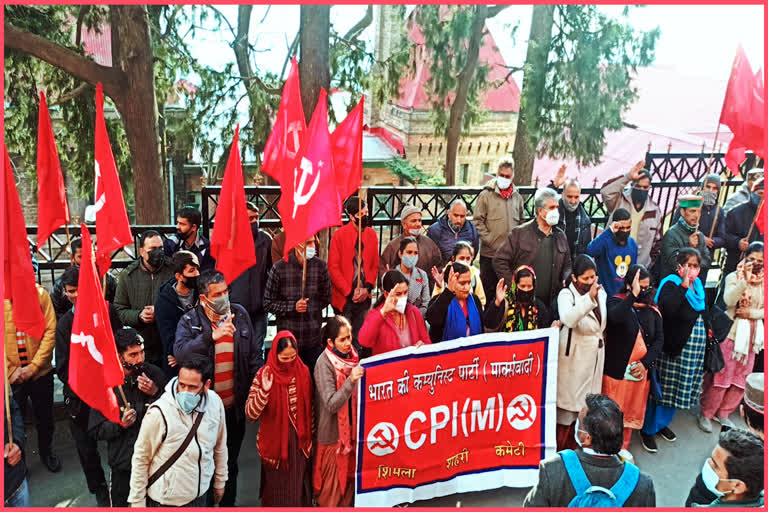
x,y
464,173
485,168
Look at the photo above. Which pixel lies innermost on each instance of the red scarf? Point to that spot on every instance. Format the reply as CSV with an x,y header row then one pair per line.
x,y
507,192
275,420
347,430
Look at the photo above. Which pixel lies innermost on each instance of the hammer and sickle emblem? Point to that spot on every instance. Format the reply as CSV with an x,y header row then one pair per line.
x,y
384,441
521,412
86,340
301,198
525,413
295,129
100,200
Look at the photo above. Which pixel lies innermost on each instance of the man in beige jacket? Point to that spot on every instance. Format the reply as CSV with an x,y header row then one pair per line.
x,y
498,209
167,422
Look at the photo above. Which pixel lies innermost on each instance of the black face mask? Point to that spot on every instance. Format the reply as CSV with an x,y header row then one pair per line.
x,y
639,196
182,236
646,296
190,282
621,237
340,353
134,368
582,288
524,297
757,268
754,198
155,258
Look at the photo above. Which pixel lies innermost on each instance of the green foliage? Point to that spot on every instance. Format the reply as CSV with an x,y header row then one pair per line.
x,y
404,169
447,32
588,83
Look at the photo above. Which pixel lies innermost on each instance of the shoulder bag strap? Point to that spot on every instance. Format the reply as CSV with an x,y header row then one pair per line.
x,y
162,469
570,331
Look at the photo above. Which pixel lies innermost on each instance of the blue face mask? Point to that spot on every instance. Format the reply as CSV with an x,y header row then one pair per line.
x,y
187,401
754,198
409,261
710,479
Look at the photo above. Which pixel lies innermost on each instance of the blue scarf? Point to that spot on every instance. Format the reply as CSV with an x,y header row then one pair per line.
x,y
695,293
456,322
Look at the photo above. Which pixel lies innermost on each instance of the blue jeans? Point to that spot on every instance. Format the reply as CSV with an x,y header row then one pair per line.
x,y
20,498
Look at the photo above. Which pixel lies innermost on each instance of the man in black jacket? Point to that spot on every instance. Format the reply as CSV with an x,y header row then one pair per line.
x,y
175,298
79,411
15,476
144,382
248,289
739,223
221,332
574,220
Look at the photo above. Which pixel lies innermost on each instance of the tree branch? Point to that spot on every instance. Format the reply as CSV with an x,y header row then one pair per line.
x,y
80,17
291,52
74,93
361,25
113,79
221,15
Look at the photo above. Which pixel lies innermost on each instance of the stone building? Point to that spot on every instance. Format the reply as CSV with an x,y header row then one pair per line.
x,y
405,121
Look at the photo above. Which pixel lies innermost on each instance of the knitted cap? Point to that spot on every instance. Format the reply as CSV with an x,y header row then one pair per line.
x,y
754,391
408,210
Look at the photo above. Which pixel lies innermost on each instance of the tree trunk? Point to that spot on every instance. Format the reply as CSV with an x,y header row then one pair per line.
x,y
534,81
314,63
453,131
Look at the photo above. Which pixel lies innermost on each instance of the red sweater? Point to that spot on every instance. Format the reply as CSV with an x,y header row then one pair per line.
x,y
381,335
341,259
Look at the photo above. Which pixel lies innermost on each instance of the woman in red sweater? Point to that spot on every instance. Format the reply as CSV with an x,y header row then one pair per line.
x,y
393,323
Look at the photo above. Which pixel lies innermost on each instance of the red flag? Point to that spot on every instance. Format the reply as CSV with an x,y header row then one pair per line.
x,y
231,225
743,112
18,274
287,135
760,220
52,209
309,199
347,147
94,367
112,228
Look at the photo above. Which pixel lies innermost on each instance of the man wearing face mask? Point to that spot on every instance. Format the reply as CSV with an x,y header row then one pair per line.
x,y
248,289
630,192
453,227
190,413
540,244
744,192
614,251
301,315
712,221
351,297
733,475
143,384
221,332
175,298
137,290
739,224
429,253
188,238
574,220
685,233
498,209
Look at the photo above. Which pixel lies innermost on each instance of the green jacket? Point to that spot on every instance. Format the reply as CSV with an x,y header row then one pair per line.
x,y
675,239
754,502
136,288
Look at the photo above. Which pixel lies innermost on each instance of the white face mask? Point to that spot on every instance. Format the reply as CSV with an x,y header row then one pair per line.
x,y
710,479
401,303
309,253
414,231
576,432
503,183
553,217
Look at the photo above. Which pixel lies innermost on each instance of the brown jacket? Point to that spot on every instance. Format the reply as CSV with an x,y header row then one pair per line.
x,y
521,247
39,352
495,217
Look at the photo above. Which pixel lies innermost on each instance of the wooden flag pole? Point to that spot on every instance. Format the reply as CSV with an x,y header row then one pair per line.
x,y
749,233
304,274
359,237
8,406
714,145
122,395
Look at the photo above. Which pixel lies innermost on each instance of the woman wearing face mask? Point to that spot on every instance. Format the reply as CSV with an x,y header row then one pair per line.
x,y
418,282
463,252
682,303
724,390
336,375
523,311
393,323
457,312
582,347
634,339
281,398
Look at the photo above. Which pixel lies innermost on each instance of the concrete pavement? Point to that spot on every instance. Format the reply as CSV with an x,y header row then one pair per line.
x,y
673,469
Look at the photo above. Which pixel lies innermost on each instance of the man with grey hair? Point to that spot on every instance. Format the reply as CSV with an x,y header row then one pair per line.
x,y
540,244
452,227
429,253
498,209
574,219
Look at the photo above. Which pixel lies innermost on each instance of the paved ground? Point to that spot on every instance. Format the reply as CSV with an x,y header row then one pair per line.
x,y
673,468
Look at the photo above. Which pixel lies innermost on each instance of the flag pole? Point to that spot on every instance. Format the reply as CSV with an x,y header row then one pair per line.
x,y
714,145
359,235
304,275
122,395
749,233
8,406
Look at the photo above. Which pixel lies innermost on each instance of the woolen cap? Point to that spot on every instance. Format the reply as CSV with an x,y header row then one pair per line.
x,y
408,210
713,178
754,391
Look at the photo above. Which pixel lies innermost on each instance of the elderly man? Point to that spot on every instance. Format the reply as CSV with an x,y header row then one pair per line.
x,y
599,431
646,215
740,229
685,233
451,228
429,254
540,244
752,407
574,219
742,195
733,475
498,209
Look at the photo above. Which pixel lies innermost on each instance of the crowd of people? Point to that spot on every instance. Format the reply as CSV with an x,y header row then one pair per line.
x,y
634,318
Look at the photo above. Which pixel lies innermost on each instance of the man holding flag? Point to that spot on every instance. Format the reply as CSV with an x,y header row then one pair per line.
x,y
740,228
